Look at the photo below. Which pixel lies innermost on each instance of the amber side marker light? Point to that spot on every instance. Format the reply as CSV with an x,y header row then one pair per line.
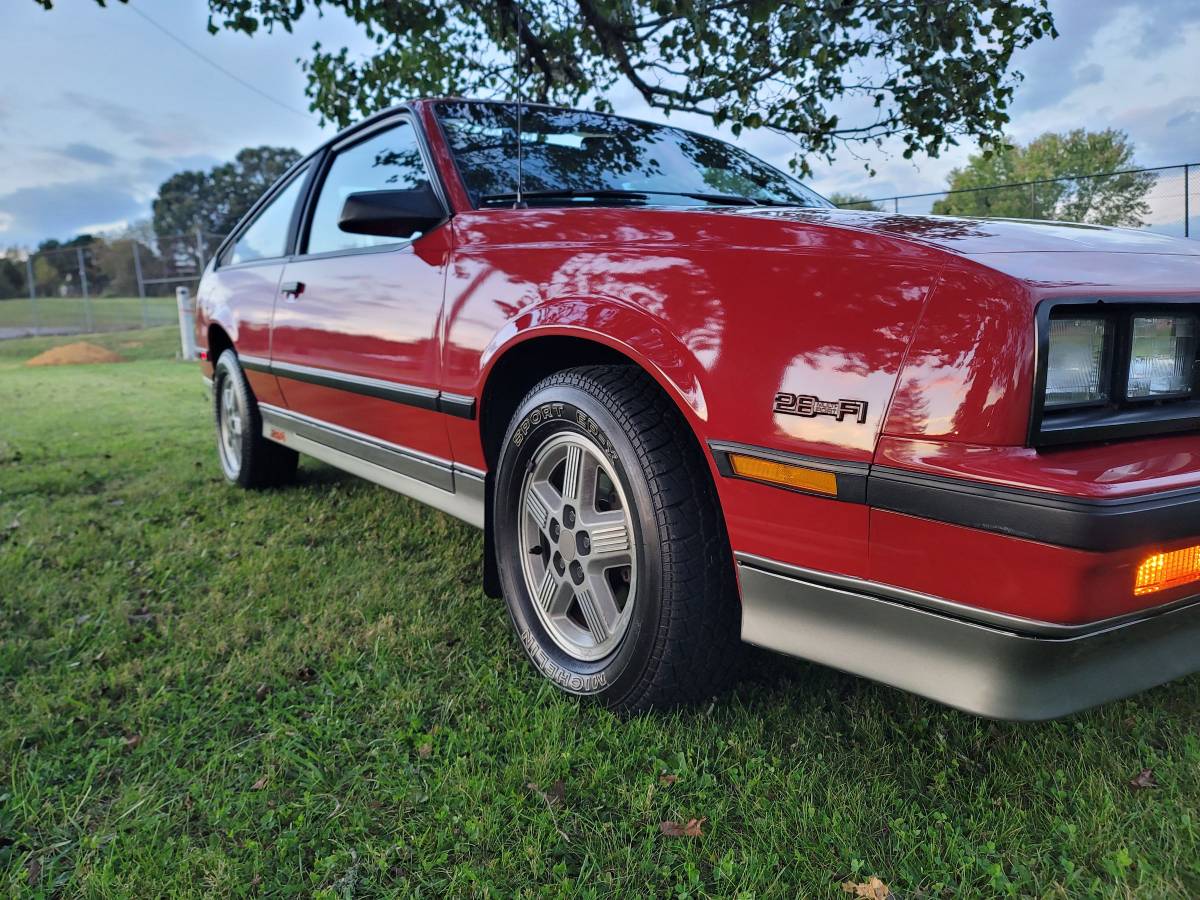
x,y
1160,571
784,475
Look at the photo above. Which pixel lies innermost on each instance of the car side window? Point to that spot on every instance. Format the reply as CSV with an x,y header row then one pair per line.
x,y
386,161
266,237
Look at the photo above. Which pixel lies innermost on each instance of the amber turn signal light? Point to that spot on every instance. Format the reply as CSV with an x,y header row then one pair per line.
x,y
1160,571
783,474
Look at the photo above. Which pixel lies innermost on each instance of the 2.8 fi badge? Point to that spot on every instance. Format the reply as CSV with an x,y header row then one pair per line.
x,y
810,407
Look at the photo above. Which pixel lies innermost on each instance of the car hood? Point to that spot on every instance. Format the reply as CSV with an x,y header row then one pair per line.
x,y
975,237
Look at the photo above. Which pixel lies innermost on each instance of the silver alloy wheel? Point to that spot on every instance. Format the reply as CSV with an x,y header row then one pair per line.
x,y
230,419
579,561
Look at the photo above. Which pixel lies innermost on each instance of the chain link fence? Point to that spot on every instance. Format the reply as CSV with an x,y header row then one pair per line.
x,y
1165,200
99,284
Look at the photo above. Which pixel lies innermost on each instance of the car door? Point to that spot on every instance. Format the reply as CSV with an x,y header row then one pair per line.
x,y
355,340
242,290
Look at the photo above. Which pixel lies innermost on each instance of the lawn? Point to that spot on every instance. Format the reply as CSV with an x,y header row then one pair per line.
x,y
213,692
108,313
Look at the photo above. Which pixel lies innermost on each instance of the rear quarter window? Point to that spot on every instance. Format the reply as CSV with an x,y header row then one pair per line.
x,y
266,236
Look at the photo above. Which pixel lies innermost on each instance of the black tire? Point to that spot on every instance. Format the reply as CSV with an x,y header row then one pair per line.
x,y
250,460
681,641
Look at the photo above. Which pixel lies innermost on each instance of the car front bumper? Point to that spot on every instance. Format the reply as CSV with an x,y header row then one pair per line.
x,y
987,663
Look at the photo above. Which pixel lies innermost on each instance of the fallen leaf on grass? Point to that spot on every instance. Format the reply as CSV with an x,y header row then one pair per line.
x,y
425,751
260,784
34,871
133,741
260,693
1143,780
873,888
679,829
553,795
306,674
141,617
666,779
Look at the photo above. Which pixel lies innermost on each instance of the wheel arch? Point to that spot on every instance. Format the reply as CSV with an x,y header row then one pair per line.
x,y
218,342
567,333
518,364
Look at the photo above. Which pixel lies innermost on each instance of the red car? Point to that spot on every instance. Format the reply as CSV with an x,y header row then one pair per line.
x,y
692,404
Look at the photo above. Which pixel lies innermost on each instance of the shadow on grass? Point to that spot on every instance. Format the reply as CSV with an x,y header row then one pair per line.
x,y
313,474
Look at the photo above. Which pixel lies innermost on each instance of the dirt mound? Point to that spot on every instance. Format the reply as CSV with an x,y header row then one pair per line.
x,y
74,355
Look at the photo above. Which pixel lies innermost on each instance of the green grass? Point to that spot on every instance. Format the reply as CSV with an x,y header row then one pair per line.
x,y
213,692
108,313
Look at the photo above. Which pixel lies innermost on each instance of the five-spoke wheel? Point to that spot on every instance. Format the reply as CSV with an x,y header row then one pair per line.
x,y
229,428
247,458
580,566
609,542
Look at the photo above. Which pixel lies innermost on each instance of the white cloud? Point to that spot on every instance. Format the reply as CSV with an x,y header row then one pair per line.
x,y
1111,57
64,208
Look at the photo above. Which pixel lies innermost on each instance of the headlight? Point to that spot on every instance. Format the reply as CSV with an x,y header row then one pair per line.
x,y
1162,358
1117,368
1076,366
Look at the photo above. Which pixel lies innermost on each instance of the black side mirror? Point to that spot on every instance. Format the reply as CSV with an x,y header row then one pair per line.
x,y
391,213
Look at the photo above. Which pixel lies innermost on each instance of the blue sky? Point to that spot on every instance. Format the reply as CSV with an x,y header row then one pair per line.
x,y
97,107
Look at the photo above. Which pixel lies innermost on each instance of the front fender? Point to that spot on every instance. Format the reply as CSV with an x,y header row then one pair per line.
x,y
617,325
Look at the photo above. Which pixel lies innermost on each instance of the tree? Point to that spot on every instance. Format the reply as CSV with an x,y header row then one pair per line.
x,y
46,278
212,202
57,264
12,275
926,72
115,265
1118,199
854,201
185,204
114,258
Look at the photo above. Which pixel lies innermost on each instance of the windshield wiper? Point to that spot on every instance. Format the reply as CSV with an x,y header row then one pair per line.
x,y
566,195
727,199
613,194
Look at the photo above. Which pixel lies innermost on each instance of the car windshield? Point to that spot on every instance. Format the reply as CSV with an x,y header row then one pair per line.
x,y
571,157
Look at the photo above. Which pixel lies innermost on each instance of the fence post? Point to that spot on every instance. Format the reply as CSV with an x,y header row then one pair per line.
x,y
201,252
87,300
37,326
137,271
187,325
896,205
1187,202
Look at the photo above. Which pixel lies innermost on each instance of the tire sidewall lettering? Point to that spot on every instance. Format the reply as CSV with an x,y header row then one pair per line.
x,y
550,412
572,681
537,424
